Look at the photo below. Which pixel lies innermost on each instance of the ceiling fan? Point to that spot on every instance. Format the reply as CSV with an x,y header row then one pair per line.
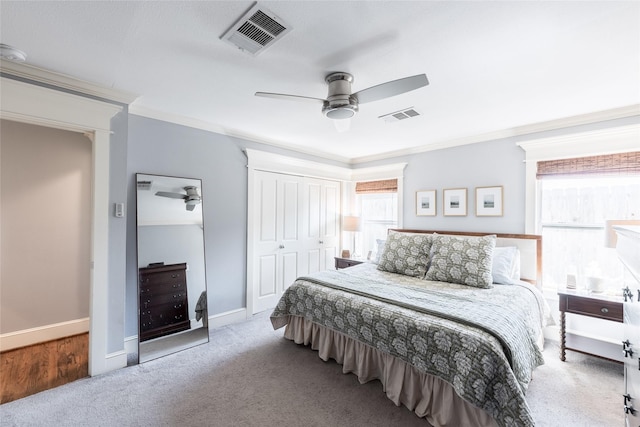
x,y
342,104
191,199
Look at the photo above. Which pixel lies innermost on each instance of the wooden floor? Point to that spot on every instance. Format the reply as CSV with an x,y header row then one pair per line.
x,y
28,370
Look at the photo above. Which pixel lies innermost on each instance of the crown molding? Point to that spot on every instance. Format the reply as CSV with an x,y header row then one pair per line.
x,y
62,81
212,127
597,142
582,119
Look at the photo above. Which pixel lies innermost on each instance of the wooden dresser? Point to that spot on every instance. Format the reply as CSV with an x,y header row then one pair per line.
x,y
164,307
628,248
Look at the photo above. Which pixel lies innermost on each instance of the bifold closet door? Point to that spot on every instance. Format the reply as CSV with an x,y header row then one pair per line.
x,y
277,260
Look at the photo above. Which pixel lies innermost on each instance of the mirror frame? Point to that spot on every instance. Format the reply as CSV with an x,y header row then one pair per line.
x,y
169,342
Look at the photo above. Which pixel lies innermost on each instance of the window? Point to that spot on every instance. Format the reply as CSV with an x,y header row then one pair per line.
x,y
379,213
576,197
377,202
572,223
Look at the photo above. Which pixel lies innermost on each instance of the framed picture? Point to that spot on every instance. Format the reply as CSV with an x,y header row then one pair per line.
x,y
489,201
455,202
426,203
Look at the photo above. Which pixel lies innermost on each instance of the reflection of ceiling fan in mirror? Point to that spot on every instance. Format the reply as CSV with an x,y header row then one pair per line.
x,y
191,199
342,104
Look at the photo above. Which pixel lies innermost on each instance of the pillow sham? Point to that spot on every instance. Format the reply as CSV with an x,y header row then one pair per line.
x,y
405,253
504,264
463,260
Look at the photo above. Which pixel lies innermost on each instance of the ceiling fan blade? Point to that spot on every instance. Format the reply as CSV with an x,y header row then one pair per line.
x,y
392,88
289,97
170,195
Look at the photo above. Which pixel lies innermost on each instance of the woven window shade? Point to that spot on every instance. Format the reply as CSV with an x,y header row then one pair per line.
x,y
383,186
610,164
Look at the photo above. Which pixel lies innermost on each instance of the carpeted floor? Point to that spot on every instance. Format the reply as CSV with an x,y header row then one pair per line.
x,y
248,375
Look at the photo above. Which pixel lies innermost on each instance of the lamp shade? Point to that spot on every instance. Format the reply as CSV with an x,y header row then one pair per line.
x,y
611,237
351,223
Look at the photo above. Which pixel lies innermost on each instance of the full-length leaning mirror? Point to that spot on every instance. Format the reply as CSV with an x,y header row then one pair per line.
x,y
172,290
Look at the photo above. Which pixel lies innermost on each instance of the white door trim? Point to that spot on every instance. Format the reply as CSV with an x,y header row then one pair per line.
x,y
42,106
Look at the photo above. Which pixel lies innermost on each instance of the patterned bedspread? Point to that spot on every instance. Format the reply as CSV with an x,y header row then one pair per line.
x,y
481,341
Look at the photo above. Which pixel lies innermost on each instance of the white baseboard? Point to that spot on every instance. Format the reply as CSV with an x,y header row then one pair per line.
x,y
45,333
215,321
228,317
116,360
131,344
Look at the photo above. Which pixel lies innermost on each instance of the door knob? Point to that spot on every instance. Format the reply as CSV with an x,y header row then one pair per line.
x,y
281,247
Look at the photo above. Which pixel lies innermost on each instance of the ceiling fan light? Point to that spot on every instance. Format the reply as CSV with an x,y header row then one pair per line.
x,y
340,113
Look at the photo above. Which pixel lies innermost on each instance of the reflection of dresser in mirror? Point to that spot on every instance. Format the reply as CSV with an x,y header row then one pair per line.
x,y
164,306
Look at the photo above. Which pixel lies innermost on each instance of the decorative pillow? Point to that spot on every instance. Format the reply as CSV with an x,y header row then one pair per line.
x,y
464,260
504,264
406,253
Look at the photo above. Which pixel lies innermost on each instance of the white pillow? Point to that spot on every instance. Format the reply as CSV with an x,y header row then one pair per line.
x,y
379,249
504,264
516,266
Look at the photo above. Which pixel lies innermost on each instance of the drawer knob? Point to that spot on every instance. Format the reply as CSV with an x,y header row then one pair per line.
x,y
604,310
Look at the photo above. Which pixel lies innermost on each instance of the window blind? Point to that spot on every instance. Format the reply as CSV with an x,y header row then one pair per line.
x,y
382,186
609,164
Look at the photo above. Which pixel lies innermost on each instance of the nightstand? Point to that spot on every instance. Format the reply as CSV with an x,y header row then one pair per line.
x,y
346,262
586,304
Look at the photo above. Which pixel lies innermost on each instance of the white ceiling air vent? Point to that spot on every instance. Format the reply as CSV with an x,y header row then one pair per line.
x,y
407,113
256,30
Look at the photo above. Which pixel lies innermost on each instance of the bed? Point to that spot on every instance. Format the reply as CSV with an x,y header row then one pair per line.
x,y
450,323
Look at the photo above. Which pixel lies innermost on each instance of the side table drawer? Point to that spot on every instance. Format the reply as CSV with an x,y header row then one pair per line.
x,y
608,310
346,263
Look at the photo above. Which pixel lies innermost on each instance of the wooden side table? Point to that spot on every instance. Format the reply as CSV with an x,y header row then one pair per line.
x,y
346,262
585,304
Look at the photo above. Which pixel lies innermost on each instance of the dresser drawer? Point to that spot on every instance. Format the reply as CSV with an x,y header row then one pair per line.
x,y
609,310
150,320
155,300
165,287
163,277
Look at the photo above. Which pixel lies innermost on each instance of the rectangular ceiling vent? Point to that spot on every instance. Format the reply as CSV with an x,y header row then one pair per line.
x,y
256,30
407,113
144,185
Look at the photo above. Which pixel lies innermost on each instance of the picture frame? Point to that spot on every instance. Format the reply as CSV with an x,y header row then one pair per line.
x,y
426,203
454,202
489,201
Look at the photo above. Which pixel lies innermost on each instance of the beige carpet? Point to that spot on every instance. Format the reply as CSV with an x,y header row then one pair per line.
x,y
248,375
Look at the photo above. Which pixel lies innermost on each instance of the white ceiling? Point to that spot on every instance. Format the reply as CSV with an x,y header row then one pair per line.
x,y
492,66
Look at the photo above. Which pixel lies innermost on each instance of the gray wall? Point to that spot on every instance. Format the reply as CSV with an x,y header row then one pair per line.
x,y
491,163
495,163
162,148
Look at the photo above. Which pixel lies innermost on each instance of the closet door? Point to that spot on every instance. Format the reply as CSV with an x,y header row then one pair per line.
x,y
277,227
321,223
